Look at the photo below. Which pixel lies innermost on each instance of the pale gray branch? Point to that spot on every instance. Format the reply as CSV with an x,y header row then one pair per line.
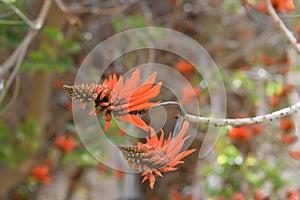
x,y
92,10
234,122
282,26
21,15
19,53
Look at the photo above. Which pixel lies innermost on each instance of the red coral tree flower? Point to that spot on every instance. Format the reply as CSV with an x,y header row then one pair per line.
x,y
41,173
292,194
259,195
238,196
287,124
65,144
295,154
189,95
184,67
157,155
281,6
113,96
242,133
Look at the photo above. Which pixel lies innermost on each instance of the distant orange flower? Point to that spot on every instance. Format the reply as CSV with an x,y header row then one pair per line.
x,y
256,129
174,194
58,83
102,168
41,173
68,106
268,60
184,67
295,154
242,133
274,100
65,144
298,32
189,94
238,196
246,33
285,89
288,138
157,155
281,6
113,96
292,194
119,174
285,68
259,195
287,124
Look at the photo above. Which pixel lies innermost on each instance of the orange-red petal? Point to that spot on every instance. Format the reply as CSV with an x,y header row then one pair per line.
x,y
134,120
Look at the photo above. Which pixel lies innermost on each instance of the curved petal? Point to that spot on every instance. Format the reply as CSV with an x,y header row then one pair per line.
x,y
134,120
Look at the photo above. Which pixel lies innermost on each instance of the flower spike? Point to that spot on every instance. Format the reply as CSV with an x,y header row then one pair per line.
x,y
114,97
157,155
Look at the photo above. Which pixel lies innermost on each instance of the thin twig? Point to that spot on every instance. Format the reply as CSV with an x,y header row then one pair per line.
x,y
282,26
92,10
30,35
18,55
175,13
21,15
146,12
234,122
61,5
14,96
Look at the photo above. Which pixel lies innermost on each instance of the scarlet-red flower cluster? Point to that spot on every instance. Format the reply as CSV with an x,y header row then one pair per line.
x,y
189,94
244,133
275,98
292,194
295,154
238,196
281,6
287,128
65,144
184,67
157,155
113,96
41,173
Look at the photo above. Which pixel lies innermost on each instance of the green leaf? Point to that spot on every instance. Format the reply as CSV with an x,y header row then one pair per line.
x,y
13,37
272,88
54,33
117,24
29,127
252,177
36,55
11,22
137,21
207,170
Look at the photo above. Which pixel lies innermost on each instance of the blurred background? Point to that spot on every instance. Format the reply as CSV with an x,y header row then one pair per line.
x,y
41,156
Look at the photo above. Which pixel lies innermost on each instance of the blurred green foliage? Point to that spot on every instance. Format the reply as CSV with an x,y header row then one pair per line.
x,y
55,55
235,172
16,145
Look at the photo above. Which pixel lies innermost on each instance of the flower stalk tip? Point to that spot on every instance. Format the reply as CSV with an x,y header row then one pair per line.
x,y
157,155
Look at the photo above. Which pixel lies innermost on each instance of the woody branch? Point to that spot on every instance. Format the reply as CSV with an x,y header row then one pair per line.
x,y
291,38
237,121
252,120
17,57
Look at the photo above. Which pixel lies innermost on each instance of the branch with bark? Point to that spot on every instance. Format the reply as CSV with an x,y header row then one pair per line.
x,y
237,121
15,60
280,24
